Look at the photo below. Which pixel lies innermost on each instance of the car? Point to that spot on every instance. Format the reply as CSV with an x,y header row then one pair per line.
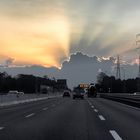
x,y
136,93
66,94
78,95
13,92
21,93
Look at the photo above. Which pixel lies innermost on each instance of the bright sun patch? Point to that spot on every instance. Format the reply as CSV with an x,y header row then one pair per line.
x,y
40,42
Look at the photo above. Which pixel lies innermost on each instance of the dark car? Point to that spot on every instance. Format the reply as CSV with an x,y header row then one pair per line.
x,y
66,94
78,95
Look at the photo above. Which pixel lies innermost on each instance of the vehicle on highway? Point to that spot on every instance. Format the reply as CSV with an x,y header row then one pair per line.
x,y
78,95
21,93
13,92
91,91
78,92
136,93
66,94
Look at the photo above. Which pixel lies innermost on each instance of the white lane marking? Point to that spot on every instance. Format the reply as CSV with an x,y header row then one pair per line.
x,y
92,106
45,108
30,115
95,110
102,118
89,102
115,135
1,128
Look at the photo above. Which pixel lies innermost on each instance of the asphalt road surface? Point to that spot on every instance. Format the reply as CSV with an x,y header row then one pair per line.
x,y
68,119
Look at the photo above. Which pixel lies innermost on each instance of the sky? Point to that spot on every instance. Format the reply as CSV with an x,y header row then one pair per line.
x,y
79,69
46,32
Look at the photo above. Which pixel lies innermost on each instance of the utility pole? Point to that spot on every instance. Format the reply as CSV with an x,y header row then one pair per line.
x,y
118,72
138,79
138,49
124,83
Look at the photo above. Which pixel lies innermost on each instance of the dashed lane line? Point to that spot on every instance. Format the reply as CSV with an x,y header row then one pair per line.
x,y
115,135
92,106
30,115
101,118
89,102
45,108
96,110
1,128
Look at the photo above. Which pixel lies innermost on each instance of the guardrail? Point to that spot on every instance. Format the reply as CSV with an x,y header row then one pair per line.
x,y
128,99
9,99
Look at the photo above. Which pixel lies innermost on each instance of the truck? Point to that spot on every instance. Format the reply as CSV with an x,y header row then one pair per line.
x,y
91,91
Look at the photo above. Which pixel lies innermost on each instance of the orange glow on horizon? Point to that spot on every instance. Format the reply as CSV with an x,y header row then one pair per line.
x,y
40,42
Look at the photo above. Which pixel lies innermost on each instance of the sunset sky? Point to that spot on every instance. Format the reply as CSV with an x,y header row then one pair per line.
x,y
46,32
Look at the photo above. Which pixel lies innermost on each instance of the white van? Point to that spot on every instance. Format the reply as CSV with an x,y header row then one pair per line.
x,y
13,92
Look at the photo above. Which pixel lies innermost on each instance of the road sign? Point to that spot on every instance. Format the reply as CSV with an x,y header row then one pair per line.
x,y
84,85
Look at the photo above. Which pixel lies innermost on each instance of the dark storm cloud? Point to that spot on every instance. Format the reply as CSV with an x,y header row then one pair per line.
x,y
79,69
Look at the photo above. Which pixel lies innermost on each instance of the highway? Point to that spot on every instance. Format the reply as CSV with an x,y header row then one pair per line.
x,y
67,119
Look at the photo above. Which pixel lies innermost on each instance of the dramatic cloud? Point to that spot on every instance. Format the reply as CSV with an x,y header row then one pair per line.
x,y
45,32
9,61
79,69
45,43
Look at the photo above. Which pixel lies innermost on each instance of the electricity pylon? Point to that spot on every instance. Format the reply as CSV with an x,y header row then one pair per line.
x,y
118,72
138,50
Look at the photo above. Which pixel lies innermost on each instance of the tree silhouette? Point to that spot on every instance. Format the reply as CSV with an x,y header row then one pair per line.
x,y
111,84
25,83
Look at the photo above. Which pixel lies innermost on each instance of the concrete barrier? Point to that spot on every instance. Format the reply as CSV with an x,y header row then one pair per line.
x,y
132,101
11,99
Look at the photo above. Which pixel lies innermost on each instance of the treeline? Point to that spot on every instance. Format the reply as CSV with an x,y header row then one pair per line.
x,y
24,83
108,84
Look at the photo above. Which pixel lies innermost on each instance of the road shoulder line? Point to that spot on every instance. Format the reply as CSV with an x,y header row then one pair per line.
x,y
1,128
30,115
45,108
